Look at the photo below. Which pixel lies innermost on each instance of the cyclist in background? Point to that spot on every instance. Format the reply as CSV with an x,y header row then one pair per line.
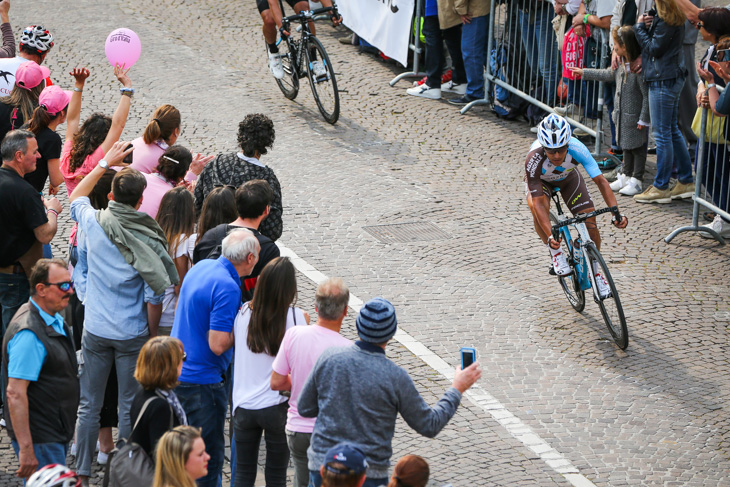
x,y
272,16
552,163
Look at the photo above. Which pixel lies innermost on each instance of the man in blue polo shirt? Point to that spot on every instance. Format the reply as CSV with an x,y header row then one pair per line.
x,y
40,368
209,300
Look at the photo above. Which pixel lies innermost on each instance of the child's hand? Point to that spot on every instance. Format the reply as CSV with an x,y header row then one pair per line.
x,y
639,126
576,71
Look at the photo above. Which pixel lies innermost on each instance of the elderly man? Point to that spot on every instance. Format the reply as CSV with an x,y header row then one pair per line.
x,y
122,273
209,300
27,219
350,387
300,349
39,366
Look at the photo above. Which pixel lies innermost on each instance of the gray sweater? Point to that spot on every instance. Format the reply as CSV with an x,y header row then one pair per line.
x,y
356,394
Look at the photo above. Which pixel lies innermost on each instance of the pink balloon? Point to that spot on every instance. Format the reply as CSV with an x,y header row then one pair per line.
x,y
123,47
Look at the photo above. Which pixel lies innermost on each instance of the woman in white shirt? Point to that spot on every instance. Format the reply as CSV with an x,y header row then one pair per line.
x,y
259,330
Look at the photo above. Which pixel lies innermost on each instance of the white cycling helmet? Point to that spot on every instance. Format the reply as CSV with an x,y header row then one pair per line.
x,y
37,37
553,132
54,475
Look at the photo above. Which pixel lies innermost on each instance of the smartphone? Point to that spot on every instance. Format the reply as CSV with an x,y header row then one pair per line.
x,y
468,356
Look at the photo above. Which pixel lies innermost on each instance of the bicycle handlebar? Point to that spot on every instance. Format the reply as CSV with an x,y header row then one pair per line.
x,y
581,217
306,15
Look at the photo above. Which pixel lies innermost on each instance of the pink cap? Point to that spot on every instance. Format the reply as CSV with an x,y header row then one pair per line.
x,y
29,75
54,99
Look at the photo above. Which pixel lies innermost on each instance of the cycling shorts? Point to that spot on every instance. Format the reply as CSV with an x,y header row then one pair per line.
x,y
573,190
264,4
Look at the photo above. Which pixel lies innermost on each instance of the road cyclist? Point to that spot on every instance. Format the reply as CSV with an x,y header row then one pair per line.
x,y
552,163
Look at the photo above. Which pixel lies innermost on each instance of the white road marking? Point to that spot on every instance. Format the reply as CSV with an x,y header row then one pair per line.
x,y
477,395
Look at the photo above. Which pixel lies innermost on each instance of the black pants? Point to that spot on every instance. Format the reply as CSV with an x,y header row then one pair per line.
x,y
248,425
435,38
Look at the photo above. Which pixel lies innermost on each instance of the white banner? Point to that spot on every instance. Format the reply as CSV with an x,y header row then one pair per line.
x,y
386,24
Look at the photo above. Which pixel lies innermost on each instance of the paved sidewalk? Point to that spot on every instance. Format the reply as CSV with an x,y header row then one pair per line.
x,y
653,415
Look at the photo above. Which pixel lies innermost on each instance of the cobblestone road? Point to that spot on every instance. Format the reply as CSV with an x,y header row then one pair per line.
x,y
653,415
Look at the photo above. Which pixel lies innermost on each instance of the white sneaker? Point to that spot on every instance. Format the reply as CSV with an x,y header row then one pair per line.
x,y
534,129
604,290
452,87
425,91
560,264
2,422
318,69
631,187
102,458
275,65
719,225
620,182
562,111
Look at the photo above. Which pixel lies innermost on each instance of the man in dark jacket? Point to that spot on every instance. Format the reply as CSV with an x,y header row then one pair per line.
x,y
39,366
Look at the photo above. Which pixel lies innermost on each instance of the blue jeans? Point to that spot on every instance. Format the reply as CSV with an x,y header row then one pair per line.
x,y
14,293
315,480
46,453
538,39
670,144
474,50
435,38
205,406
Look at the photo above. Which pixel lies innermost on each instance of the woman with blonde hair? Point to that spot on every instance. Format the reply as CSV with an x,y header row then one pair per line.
x,y
158,368
181,458
660,37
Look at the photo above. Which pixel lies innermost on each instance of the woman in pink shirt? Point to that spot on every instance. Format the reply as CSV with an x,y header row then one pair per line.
x,y
86,146
162,132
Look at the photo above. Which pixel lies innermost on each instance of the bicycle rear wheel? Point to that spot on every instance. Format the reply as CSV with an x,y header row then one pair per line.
x,y
289,84
611,309
324,87
571,283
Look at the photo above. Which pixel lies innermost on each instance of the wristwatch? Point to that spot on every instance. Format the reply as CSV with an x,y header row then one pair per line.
x,y
103,164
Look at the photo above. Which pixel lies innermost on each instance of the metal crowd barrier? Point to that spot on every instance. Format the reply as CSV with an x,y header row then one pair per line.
x,y
712,174
524,65
415,46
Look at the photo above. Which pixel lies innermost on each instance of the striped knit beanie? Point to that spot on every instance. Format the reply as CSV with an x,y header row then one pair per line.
x,y
376,322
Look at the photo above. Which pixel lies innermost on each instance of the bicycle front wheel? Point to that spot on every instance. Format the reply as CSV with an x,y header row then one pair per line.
x,y
289,84
571,283
324,84
611,309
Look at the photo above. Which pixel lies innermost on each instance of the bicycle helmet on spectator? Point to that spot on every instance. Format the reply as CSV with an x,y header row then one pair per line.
x,y
553,132
54,475
37,37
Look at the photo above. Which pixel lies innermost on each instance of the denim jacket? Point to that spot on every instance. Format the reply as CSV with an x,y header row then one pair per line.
x,y
661,50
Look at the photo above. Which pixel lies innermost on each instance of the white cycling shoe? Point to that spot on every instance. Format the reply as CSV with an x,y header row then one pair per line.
x,y
276,66
560,264
604,290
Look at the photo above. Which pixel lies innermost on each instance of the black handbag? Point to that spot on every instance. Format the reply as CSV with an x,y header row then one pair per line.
x,y
130,466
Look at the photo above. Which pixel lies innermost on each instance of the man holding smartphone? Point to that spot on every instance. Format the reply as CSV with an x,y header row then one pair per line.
x,y
351,386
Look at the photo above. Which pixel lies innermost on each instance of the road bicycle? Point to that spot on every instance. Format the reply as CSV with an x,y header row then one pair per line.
x,y
298,60
584,259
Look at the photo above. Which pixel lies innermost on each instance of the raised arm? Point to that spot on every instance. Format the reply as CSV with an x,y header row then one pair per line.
x,y
8,49
73,115
119,119
114,157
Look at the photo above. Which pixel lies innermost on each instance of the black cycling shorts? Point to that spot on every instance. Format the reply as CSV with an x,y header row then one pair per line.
x,y
264,4
573,190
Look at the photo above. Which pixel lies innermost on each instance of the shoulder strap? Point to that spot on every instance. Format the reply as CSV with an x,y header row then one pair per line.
x,y
13,117
141,412
294,315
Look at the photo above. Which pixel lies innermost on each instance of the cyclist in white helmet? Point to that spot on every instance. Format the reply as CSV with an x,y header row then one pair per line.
x,y
551,163
35,43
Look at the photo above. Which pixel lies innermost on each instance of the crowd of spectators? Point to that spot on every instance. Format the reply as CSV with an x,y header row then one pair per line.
x,y
175,307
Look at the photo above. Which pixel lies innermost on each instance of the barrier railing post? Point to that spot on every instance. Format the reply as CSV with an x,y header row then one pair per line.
x,y
415,46
702,154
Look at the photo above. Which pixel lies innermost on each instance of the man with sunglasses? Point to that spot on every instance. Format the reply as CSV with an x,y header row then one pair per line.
x,y
552,163
39,367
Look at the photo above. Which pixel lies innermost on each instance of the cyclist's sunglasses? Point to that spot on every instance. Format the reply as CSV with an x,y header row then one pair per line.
x,y
65,286
723,55
557,150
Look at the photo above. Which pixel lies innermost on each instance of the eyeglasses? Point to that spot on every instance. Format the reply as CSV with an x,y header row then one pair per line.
x,y
556,150
65,286
699,25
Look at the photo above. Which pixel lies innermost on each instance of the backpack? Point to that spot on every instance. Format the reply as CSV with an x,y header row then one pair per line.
x,y
130,466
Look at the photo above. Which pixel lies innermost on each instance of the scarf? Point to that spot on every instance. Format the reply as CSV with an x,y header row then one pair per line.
x,y
141,242
174,403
